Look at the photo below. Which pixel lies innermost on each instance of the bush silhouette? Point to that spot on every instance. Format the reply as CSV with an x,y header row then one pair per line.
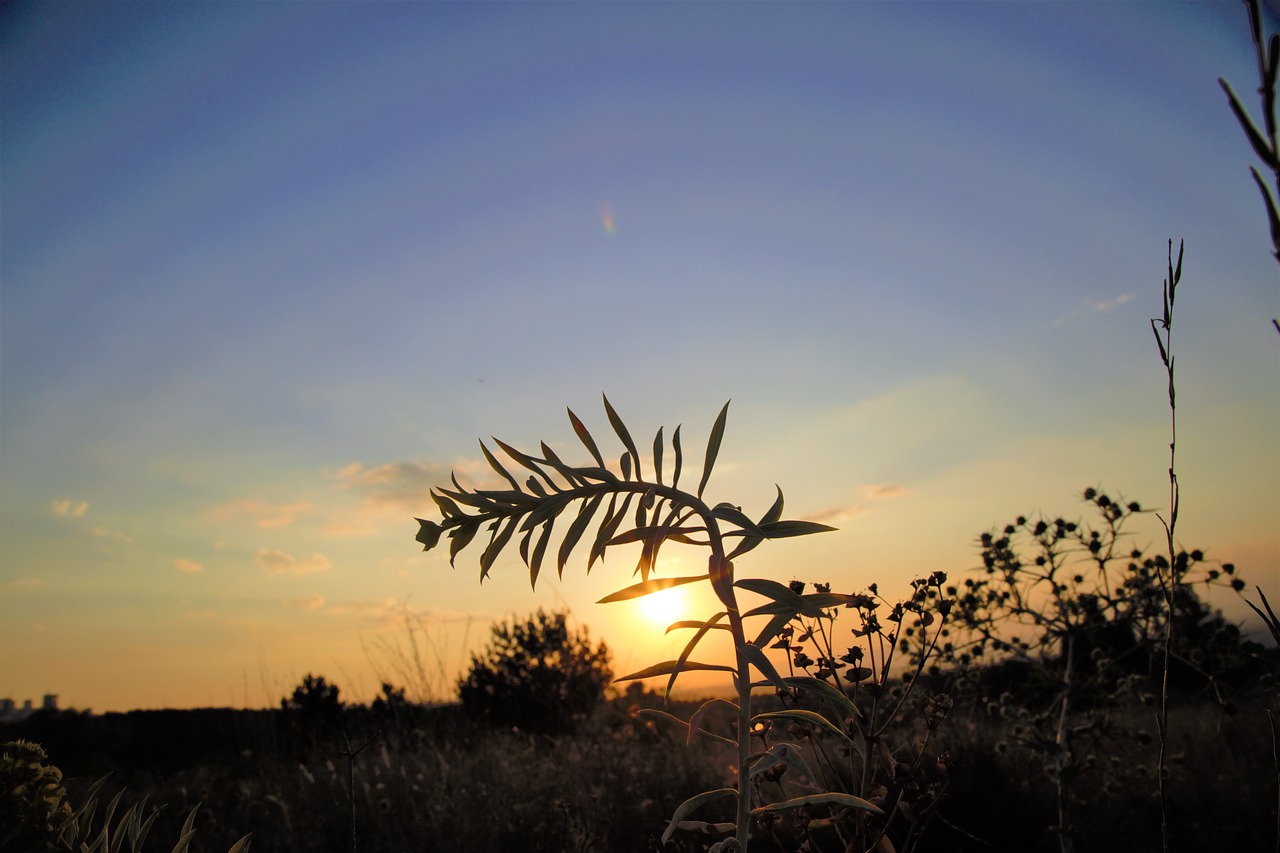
x,y
537,674
314,701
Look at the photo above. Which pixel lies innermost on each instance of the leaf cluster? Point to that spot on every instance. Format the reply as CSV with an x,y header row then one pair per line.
x,y
624,505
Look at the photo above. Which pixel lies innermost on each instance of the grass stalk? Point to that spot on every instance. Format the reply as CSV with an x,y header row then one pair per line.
x,y
1162,327
350,755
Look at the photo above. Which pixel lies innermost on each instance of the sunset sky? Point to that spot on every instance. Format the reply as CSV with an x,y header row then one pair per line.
x,y
269,270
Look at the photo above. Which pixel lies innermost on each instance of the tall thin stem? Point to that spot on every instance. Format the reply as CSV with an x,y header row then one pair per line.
x,y
1163,329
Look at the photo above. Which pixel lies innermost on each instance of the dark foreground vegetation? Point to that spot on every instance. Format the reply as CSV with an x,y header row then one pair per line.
x,y
455,777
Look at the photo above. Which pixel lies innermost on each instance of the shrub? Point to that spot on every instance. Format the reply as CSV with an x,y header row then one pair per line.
x,y
537,674
33,805
314,700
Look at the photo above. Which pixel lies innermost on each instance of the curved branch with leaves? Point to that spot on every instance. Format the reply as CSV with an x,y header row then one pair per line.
x,y
635,502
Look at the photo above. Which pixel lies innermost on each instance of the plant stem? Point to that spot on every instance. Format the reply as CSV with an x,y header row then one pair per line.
x,y
1165,342
1062,760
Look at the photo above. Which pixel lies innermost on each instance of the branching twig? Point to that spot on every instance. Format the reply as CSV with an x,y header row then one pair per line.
x,y
351,778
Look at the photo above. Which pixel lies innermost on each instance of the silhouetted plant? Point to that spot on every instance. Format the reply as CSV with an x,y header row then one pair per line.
x,y
314,700
1065,624
1263,140
34,810
538,674
390,703
631,508
37,815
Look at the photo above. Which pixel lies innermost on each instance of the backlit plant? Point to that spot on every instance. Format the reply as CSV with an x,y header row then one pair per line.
x,y
630,505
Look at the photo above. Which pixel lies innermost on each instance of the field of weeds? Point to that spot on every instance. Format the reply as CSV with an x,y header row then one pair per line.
x,y
431,779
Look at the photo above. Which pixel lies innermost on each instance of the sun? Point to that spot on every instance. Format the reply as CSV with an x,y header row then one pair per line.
x,y
663,608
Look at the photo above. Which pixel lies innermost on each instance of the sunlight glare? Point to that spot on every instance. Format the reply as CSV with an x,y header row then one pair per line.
x,y
663,608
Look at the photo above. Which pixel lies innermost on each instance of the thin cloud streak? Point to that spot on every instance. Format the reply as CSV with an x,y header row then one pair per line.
x,y
281,563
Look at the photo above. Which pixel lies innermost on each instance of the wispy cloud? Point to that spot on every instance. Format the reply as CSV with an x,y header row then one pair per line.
x,y
189,567
1095,306
832,515
281,563
870,494
390,493
311,603
884,491
260,513
68,508
399,485
114,535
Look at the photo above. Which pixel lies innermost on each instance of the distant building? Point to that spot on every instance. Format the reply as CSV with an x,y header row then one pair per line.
x,y
11,713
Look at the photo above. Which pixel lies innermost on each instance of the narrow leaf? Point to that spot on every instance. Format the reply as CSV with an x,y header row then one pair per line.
x,y
549,456
648,587
764,666
832,799
657,456
713,448
785,529
776,624
648,555
1164,356
781,594
460,537
1269,201
624,434
447,507
496,544
783,753
730,513
607,530
691,645
748,543
1260,145
667,666
585,438
184,841
675,447
526,460
524,543
690,623
497,466
539,551
811,718
693,804
640,534
825,691
695,722
775,511
575,531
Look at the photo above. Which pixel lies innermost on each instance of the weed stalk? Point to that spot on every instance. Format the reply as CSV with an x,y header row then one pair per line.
x,y
1162,327
350,755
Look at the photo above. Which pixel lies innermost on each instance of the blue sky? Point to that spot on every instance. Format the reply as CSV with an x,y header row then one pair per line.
x,y
269,271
